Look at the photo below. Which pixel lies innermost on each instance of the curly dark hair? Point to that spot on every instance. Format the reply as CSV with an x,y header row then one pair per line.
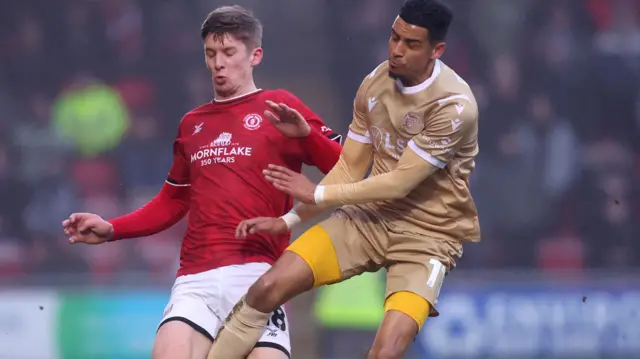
x,y
433,15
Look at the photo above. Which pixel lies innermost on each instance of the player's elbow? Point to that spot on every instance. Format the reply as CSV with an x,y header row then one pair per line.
x,y
399,194
391,189
182,205
401,191
182,212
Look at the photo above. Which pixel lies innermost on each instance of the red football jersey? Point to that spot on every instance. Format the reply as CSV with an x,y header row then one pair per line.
x,y
220,152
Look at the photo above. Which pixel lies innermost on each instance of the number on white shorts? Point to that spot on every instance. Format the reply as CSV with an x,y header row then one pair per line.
x,y
436,277
278,319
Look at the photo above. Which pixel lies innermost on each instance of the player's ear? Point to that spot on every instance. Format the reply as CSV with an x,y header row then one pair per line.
x,y
438,50
256,56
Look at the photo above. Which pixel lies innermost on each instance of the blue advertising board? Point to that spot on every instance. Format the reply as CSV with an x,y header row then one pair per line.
x,y
534,320
108,325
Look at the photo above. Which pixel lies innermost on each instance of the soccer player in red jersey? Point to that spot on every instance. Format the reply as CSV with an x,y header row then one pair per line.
x,y
220,151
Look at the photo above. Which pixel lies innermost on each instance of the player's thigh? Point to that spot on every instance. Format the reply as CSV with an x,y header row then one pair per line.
x,y
189,322
336,249
413,288
267,353
395,334
419,265
288,277
178,340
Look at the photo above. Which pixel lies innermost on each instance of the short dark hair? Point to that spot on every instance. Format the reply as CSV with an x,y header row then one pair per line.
x,y
432,15
233,20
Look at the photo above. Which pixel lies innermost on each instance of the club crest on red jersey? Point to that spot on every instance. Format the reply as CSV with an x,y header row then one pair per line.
x,y
252,121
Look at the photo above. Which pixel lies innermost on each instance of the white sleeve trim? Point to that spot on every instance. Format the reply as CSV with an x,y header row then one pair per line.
x,y
360,138
291,219
178,185
453,98
426,155
318,194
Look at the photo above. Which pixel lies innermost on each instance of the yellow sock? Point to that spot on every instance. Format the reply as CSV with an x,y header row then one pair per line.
x,y
240,332
410,304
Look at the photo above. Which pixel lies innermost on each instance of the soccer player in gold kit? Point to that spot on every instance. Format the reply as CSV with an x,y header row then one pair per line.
x,y
416,122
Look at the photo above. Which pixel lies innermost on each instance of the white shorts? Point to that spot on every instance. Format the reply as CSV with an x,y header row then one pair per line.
x,y
204,300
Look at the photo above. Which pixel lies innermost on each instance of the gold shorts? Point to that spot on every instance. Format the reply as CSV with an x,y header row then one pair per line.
x,y
346,245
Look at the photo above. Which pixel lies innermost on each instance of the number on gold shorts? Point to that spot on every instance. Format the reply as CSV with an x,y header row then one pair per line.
x,y
436,276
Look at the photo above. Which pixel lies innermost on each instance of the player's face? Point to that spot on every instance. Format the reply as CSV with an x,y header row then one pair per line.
x,y
231,63
411,52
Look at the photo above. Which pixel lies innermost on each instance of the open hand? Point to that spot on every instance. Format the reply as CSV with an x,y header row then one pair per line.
x,y
287,120
87,228
292,183
267,225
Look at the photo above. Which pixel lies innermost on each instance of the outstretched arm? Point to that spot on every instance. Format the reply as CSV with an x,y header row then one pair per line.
x,y
353,164
163,211
166,209
445,132
411,171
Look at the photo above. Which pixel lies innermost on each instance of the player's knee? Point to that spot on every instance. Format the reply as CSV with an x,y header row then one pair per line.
x,y
386,352
177,340
171,352
392,341
288,277
265,294
399,325
267,353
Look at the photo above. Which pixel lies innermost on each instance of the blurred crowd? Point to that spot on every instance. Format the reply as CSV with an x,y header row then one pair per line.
x,y
91,93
